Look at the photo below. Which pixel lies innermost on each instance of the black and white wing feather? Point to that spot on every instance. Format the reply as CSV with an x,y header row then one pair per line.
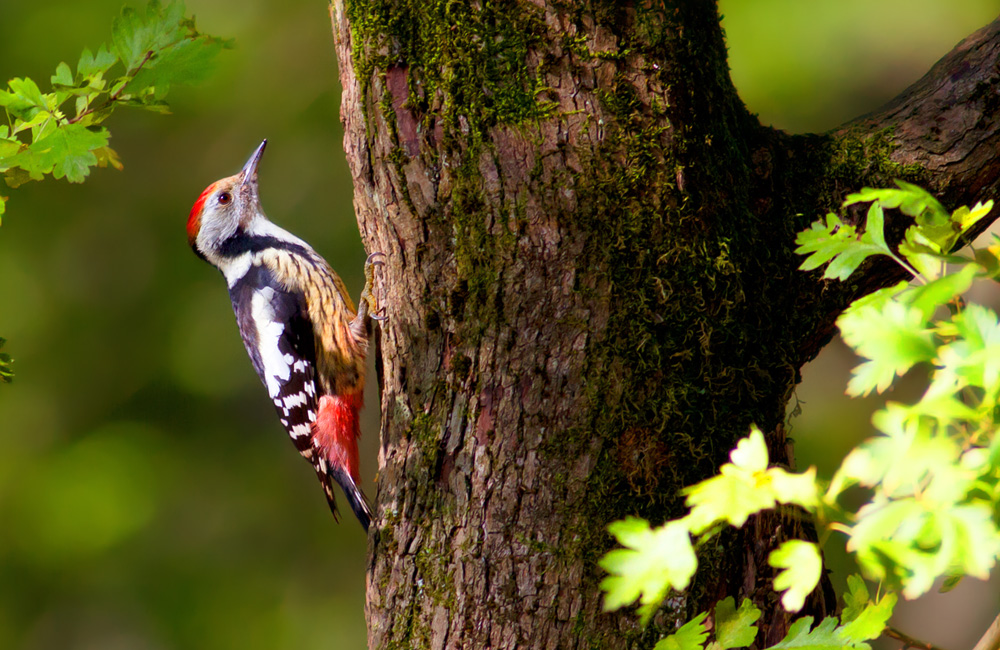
x,y
278,336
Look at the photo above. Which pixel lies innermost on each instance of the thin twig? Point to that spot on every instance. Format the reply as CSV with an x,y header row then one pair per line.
x,y
991,639
908,640
118,93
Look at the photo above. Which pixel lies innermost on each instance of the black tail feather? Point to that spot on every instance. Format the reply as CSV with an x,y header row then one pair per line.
x,y
355,497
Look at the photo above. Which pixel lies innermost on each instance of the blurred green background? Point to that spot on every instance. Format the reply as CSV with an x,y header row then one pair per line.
x,y
148,497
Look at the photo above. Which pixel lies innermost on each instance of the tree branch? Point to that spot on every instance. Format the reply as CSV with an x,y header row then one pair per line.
x,y
942,132
908,640
991,638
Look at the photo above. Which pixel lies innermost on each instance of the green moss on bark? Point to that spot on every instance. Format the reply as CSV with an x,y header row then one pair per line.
x,y
467,64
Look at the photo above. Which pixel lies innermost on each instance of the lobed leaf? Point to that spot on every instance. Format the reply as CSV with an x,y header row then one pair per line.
x,y
136,34
974,354
652,562
910,199
801,566
736,492
63,75
824,637
66,152
836,243
6,374
157,35
912,543
929,297
856,598
690,636
863,619
734,628
91,66
893,338
187,61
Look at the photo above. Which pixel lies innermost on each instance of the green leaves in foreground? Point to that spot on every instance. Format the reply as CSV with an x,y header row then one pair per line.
x,y
57,133
801,567
650,563
931,475
734,628
656,560
926,243
6,374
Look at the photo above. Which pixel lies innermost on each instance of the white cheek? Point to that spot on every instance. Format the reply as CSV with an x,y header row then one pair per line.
x,y
216,227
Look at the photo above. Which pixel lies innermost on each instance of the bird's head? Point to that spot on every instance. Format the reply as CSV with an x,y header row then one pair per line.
x,y
226,211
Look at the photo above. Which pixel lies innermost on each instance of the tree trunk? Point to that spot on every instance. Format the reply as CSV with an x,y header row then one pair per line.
x,y
592,293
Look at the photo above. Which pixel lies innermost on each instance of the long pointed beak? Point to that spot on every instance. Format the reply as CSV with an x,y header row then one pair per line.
x,y
250,169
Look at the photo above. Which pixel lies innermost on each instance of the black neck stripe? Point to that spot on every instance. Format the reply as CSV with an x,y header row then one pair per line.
x,y
241,243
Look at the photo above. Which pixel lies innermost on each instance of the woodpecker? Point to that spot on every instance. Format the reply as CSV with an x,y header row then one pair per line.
x,y
304,337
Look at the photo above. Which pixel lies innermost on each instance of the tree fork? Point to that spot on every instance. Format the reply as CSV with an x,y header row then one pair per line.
x,y
592,292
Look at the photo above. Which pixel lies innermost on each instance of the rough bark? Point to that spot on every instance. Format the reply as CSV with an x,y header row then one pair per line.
x,y
592,292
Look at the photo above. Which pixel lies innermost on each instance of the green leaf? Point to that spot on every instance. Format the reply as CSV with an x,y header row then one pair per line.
x,y
800,489
974,355
66,152
6,374
157,43
912,542
736,492
966,218
870,621
15,177
938,230
652,563
8,147
108,157
735,628
836,243
972,539
874,226
63,75
39,119
690,636
894,338
136,35
27,90
914,460
928,297
921,253
802,567
824,241
856,599
751,452
24,100
911,200
801,637
188,61
93,66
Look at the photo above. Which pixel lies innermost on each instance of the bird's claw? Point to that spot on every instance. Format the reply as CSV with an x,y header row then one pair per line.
x,y
369,304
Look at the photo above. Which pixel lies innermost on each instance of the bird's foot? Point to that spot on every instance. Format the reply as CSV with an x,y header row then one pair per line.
x,y
369,307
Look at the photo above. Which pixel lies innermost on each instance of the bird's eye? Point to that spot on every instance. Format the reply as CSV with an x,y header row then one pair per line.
x,y
225,198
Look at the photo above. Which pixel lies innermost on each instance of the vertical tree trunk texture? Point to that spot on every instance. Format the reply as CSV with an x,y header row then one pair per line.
x,y
591,295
